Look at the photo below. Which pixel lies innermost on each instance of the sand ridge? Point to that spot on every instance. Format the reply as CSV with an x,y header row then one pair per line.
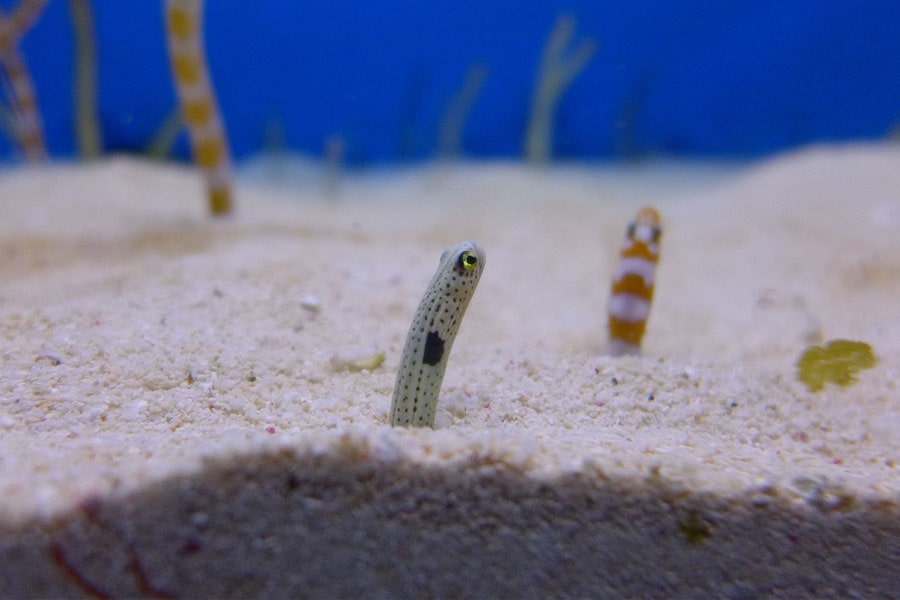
x,y
143,344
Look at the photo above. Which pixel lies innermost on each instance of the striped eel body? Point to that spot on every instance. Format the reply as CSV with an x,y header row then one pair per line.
x,y
26,118
190,72
432,333
632,286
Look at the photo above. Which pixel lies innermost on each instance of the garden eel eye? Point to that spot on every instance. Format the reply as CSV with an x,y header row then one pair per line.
x,y
632,229
467,261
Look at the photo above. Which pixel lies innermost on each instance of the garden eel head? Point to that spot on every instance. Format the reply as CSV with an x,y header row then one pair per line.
x,y
466,259
646,227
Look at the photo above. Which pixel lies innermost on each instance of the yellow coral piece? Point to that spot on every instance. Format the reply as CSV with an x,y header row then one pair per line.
x,y
837,362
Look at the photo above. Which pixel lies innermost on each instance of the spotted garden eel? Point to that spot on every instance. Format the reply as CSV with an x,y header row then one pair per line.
x,y
632,287
432,333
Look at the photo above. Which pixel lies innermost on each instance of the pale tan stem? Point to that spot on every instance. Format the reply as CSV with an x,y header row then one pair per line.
x,y
556,73
87,125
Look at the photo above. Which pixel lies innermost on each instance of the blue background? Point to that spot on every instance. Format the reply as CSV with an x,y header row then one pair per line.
x,y
736,78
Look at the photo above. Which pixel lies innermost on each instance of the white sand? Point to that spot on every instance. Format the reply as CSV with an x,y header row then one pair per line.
x,y
172,422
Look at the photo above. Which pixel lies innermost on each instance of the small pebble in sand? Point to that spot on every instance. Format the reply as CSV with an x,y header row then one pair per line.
x,y
357,359
53,360
310,303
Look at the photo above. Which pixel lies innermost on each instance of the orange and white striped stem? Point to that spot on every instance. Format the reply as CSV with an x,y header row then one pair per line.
x,y
632,287
190,73
27,123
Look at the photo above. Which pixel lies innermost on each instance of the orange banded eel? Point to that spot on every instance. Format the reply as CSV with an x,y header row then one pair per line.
x,y
190,72
632,286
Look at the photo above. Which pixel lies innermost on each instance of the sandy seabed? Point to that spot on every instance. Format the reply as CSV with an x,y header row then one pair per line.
x,y
177,418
